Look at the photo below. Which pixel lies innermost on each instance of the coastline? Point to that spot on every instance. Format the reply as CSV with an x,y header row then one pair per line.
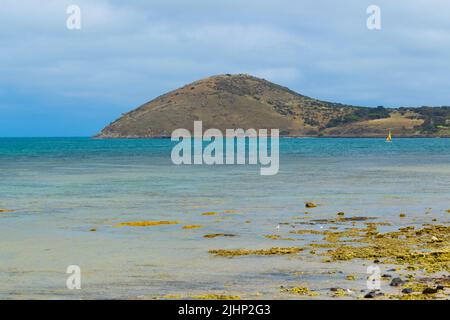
x,y
299,137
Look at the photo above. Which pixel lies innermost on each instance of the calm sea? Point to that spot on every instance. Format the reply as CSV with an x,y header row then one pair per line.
x,y
61,188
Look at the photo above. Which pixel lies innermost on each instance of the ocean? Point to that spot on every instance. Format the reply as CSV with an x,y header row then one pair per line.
x,y
68,196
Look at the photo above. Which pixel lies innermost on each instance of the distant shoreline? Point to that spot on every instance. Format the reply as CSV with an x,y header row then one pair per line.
x,y
281,137
290,137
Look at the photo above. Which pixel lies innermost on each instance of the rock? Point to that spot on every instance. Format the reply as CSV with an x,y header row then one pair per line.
x,y
407,290
215,235
310,205
193,226
304,291
6,211
261,252
373,294
145,223
370,295
435,239
397,282
440,287
429,291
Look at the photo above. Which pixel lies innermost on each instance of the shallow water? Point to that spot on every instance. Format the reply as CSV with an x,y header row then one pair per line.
x,y
63,187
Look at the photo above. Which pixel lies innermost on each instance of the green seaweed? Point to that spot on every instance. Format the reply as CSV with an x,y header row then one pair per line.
x,y
259,252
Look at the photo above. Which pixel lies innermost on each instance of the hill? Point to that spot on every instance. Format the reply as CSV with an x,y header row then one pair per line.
x,y
243,101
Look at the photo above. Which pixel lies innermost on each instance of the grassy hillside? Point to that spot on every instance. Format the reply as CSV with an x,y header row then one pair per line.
x,y
243,101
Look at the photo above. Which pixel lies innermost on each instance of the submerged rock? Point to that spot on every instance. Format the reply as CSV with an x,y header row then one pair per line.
x,y
277,237
430,291
408,247
304,291
6,210
215,297
214,213
261,252
193,226
373,294
210,213
310,205
397,282
339,292
145,223
215,235
407,291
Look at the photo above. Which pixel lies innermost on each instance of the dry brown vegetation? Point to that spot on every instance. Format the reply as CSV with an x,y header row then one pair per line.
x,y
243,101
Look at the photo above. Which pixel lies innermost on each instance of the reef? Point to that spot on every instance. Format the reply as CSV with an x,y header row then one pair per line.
x,y
145,223
303,291
6,210
261,252
214,213
417,257
215,297
193,226
207,296
277,237
215,235
425,249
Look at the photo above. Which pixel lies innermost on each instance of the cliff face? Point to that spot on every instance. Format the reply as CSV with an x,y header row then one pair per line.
x,y
243,101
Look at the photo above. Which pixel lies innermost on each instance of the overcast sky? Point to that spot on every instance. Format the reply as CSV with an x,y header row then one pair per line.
x,y
60,82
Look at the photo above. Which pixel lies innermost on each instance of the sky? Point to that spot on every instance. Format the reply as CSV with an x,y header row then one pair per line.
x,y
60,82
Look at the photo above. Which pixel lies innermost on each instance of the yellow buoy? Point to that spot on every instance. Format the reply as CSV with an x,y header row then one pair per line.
x,y
389,137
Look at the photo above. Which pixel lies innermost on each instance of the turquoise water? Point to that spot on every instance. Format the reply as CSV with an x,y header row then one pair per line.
x,y
60,188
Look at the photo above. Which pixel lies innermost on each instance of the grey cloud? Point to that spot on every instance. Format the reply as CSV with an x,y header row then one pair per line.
x,y
127,53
